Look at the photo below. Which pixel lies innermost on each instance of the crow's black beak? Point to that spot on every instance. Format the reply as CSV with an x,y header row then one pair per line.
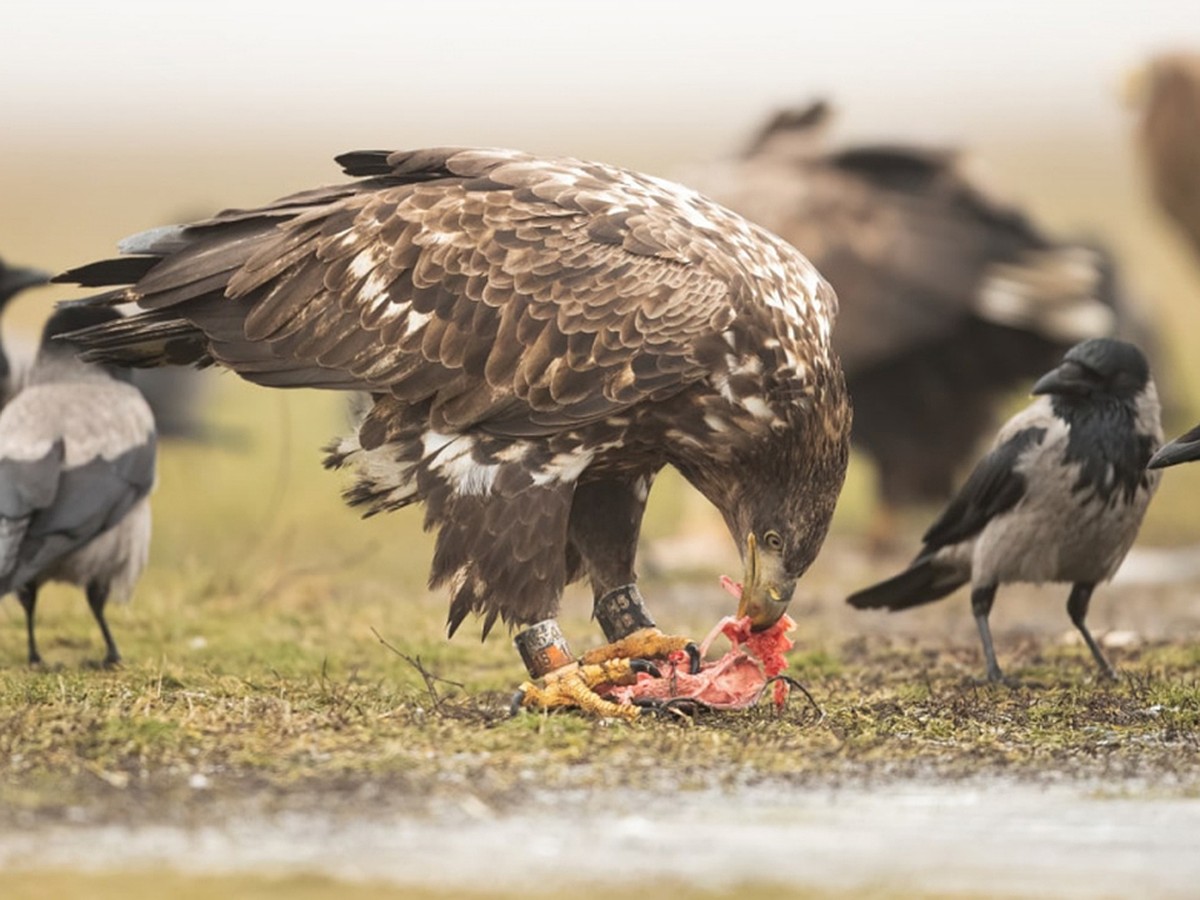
x,y
1184,448
1069,378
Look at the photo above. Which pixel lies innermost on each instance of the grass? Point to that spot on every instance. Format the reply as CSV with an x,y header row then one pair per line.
x,y
256,668
257,662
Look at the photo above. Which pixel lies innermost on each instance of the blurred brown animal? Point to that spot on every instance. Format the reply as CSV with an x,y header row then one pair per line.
x,y
1166,92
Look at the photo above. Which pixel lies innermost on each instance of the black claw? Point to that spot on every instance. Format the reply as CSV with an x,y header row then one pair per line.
x,y
518,700
798,686
677,708
693,653
638,666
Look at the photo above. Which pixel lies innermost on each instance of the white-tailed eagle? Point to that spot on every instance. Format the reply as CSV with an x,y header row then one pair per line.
x,y
540,337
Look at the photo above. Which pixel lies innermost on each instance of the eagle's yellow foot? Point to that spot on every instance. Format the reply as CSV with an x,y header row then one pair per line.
x,y
646,643
574,686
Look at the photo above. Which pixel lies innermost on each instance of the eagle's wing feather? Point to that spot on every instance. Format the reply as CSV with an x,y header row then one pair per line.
x,y
509,294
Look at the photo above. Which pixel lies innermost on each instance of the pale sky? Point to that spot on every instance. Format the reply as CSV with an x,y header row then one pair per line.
x,y
539,74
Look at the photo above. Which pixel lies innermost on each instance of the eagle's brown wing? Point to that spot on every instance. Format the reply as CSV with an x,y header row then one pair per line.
x,y
516,295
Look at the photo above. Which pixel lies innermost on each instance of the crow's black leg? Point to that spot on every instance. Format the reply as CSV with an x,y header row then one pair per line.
x,y
28,597
97,596
1077,607
981,605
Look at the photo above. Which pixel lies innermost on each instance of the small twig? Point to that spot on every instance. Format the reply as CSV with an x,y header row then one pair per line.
x,y
787,679
430,679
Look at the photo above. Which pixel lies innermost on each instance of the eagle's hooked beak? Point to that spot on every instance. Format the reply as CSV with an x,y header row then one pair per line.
x,y
766,593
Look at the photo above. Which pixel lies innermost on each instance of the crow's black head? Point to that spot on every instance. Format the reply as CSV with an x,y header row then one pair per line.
x,y
14,279
70,317
1101,367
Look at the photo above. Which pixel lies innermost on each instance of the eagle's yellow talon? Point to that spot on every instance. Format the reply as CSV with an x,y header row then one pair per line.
x,y
574,686
645,643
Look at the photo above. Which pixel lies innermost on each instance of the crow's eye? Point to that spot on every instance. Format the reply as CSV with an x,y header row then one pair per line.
x,y
773,540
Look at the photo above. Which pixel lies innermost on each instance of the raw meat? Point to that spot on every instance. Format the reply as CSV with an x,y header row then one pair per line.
x,y
735,681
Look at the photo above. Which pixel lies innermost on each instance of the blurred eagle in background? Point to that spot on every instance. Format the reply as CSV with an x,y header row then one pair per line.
x,y
949,298
1166,92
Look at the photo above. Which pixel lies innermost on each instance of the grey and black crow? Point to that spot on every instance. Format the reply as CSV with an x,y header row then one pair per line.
x,y
13,280
540,337
77,453
1059,498
951,298
1184,448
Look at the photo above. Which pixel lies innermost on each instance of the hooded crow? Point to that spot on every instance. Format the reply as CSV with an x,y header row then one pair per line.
x,y
1059,498
1184,448
77,447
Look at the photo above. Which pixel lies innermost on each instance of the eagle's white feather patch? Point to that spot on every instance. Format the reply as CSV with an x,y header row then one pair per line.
x,y
467,475
415,322
563,467
759,408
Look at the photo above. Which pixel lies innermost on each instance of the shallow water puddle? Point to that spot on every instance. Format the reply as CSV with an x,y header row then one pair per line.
x,y
995,838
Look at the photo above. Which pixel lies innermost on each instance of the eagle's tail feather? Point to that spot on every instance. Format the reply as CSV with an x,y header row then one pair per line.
x,y
926,580
143,341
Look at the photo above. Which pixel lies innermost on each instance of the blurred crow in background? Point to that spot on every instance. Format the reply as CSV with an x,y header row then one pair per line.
x,y
1059,498
176,396
950,299
13,280
1166,92
77,452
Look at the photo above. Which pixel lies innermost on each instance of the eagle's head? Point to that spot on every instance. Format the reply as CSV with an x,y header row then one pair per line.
x,y
778,499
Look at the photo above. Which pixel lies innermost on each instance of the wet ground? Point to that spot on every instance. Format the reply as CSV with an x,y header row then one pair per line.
x,y
1065,825
988,837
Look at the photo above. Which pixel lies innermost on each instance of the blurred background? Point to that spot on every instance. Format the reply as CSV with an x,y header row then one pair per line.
x,y
120,116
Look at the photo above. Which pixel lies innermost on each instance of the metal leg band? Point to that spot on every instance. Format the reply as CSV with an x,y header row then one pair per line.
x,y
621,612
543,648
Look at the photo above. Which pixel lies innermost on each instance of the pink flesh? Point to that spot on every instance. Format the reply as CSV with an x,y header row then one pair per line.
x,y
734,681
